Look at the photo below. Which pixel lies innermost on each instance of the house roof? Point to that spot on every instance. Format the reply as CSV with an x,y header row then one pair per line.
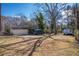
x,y
20,27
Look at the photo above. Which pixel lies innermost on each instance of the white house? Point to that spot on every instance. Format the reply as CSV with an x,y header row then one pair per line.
x,y
17,26
19,31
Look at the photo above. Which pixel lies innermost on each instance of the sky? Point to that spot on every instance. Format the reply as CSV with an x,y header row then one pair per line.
x,y
12,9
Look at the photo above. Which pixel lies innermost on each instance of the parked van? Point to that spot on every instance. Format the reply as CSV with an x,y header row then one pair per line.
x,y
68,32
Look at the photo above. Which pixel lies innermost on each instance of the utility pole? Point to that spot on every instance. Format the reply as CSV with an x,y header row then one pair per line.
x,y
0,17
76,22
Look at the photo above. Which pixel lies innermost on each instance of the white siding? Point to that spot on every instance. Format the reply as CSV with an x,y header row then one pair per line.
x,y
19,31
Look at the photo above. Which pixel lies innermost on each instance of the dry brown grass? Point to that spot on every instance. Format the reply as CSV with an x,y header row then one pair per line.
x,y
61,45
56,46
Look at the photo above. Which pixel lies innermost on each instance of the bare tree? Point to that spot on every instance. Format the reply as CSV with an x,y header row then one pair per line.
x,y
52,11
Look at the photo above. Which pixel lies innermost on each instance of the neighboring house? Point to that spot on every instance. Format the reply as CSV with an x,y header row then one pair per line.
x,y
17,25
19,31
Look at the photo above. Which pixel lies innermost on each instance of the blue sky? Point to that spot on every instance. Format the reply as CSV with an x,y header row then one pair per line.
x,y
11,9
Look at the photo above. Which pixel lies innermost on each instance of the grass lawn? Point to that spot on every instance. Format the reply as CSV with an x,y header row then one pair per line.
x,y
43,46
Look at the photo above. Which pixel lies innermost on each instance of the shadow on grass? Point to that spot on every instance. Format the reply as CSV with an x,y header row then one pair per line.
x,y
31,48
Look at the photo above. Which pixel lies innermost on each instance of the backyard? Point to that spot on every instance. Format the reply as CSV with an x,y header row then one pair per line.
x,y
38,45
39,29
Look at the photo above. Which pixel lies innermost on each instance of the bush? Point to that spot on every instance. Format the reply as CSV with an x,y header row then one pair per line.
x,y
7,30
